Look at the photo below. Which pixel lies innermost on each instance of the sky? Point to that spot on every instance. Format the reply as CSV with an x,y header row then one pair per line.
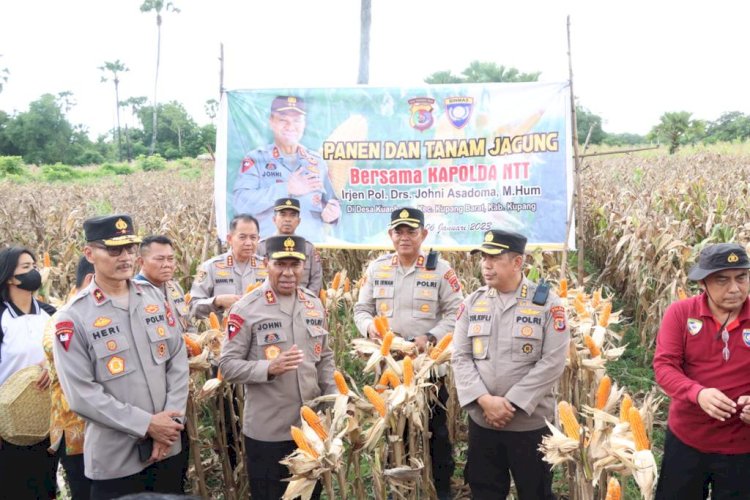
x,y
632,61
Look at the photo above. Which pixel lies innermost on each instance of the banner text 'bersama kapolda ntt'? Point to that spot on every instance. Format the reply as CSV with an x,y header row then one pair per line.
x,y
472,157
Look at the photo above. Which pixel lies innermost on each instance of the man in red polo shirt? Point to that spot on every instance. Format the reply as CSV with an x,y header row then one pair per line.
x,y
702,362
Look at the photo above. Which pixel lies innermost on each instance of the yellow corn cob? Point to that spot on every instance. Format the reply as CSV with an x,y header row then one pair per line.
x,y
408,369
47,261
563,292
219,376
213,321
347,285
385,348
606,312
681,294
375,399
580,305
193,347
381,325
591,345
602,393
323,296
568,420
639,432
336,281
613,489
441,346
338,377
625,406
597,298
392,378
313,420
382,384
301,442
187,298
224,323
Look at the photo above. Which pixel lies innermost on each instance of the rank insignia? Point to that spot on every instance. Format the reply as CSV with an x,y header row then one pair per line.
x,y
170,316
275,152
161,331
746,336
230,261
161,351
111,345
394,260
458,110
151,308
309,304
694,326
301,295
116,365
732,258
491,292
98,296
524,291
253,262
234,323
102,321
175,294
420,261
526,331
270,297
247,164
200,276
272,352
64,333
460,311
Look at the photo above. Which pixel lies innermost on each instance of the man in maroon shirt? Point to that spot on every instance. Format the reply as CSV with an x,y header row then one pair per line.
x,y
702,362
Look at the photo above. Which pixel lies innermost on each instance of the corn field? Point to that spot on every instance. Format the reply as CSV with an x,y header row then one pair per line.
x,y
370,440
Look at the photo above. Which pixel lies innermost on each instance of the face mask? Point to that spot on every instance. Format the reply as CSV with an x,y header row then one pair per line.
x,y
30,281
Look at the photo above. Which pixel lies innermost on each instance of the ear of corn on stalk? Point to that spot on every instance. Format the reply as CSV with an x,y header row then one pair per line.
x,y
338,377
385,348
563,290
301,441
441,346
187,298
47,261
336,281
213,321
347,285
408,371
381,325
375,399
193,347
613,489
602,393
591,346
568,420
313,420
323,296
625,406
606,312
638,430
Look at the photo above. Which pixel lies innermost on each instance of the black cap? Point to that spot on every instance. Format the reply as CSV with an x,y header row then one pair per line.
x,y
112,230
286,204
497,241
410,216
288,103
718,257
283,247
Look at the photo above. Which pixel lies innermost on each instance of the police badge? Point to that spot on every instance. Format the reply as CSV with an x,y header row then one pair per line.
x,y
420,113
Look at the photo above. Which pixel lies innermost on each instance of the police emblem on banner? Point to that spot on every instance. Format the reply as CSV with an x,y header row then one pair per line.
x,y
459,110
746,336
694,326
420,113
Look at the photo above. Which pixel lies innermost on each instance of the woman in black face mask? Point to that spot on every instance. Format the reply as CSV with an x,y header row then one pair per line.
x,y
29,471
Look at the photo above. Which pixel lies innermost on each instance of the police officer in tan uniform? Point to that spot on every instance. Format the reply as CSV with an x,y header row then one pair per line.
x,y
286,218
277,345
123,367
420,304
509,351
157,265
222,280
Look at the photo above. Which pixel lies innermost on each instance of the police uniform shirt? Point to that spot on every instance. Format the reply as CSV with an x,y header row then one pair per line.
x,y
516,350
263,177
312,274
175,296
119,366
261,325
222,275
415,301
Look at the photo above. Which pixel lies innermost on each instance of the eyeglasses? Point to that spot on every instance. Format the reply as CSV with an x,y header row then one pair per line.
x,y
117,251
725,338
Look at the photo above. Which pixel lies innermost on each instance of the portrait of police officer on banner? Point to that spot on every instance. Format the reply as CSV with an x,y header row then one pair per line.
x,y
285,168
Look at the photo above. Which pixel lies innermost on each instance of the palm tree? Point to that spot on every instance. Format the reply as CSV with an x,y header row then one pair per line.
x,y
365,19
115,68
157,6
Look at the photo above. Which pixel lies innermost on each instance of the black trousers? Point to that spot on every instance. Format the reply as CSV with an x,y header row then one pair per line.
x,y
687,473
441,449
27,472
80,485
164,476
495,454
265,473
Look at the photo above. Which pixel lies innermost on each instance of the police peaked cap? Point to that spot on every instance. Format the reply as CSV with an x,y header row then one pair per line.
x,y
410,216
286,204
714,258
113,230
284,247
497,241
286,103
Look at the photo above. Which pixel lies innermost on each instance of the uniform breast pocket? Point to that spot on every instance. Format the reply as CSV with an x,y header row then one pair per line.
x,y
270,342
318,338
113,358
526,344
383,300
224,286
479,334
425,303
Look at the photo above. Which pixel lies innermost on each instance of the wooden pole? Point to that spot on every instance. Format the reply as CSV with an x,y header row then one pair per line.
x,y
578,194
569,224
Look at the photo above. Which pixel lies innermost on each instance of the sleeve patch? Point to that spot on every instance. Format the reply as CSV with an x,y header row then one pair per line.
x,y
233,325
558,318
461,309
64,333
